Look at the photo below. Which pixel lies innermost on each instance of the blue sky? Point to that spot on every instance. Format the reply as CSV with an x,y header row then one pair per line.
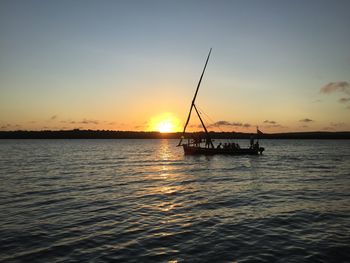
x,y
117,64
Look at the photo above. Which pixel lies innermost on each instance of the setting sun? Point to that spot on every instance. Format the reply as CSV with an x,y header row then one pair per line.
x,y
165,122
165,126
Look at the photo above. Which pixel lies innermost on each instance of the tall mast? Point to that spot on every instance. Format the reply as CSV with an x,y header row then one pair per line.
x,y
194,99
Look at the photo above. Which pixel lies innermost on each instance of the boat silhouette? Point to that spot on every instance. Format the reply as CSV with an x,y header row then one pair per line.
x,y
196,145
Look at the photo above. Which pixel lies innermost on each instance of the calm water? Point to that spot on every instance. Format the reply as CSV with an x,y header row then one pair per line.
x,y
144,201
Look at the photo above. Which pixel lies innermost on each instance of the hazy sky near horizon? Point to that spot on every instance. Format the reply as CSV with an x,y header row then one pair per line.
x,y
282,65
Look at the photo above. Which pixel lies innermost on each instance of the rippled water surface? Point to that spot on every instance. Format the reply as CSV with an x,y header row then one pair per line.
x,y
144,201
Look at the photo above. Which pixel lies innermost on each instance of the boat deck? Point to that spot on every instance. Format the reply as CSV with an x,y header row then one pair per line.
x,y
198,150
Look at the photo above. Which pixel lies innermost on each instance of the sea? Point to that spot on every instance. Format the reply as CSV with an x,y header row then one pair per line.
x,y
145,201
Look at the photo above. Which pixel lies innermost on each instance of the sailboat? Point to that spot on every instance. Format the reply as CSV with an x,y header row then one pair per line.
x,y
196,145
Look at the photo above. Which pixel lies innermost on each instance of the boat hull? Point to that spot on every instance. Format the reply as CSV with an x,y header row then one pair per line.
x,y
195,150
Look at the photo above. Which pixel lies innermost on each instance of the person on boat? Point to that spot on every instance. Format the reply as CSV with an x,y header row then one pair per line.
x,y
251,141
219,146
256,145
196,140
208,142
199,140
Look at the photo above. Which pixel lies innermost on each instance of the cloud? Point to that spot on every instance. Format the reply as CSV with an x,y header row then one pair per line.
x,y
341,86
338,86
196,126
273,124
54,117
10,126
5,126
141,126
337,124
232,124
328,128
270,122
306,120
69,122
85,121
344,100
223,123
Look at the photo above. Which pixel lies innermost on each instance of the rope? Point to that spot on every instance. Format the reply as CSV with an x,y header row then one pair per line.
x,y
212,122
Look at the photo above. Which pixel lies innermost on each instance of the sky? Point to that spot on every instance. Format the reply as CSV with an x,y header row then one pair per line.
x,y
134,65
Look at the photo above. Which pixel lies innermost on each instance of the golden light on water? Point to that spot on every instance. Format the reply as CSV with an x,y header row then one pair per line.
x,y
165,122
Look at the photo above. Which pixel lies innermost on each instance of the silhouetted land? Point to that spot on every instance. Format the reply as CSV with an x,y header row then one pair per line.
x,y
107,134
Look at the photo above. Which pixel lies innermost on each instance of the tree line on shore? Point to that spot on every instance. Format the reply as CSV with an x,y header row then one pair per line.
x,y
110,134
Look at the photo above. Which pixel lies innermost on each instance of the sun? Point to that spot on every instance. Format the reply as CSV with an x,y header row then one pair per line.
x,y
165,126
165,123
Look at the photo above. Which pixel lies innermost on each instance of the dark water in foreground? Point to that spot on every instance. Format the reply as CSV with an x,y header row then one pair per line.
x,y
143,200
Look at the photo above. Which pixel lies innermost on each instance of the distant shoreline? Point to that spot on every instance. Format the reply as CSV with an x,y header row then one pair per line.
x,y
109,134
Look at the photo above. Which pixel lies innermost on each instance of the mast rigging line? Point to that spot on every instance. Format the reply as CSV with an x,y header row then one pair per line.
x,y
212,122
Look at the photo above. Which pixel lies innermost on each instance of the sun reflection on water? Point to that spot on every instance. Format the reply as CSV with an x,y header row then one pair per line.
x,y
166,186
164,154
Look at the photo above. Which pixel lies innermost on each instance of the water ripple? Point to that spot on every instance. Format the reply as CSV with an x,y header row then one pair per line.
x,y
144,201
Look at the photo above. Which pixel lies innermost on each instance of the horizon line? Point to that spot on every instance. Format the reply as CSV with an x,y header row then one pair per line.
x,y
176,132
